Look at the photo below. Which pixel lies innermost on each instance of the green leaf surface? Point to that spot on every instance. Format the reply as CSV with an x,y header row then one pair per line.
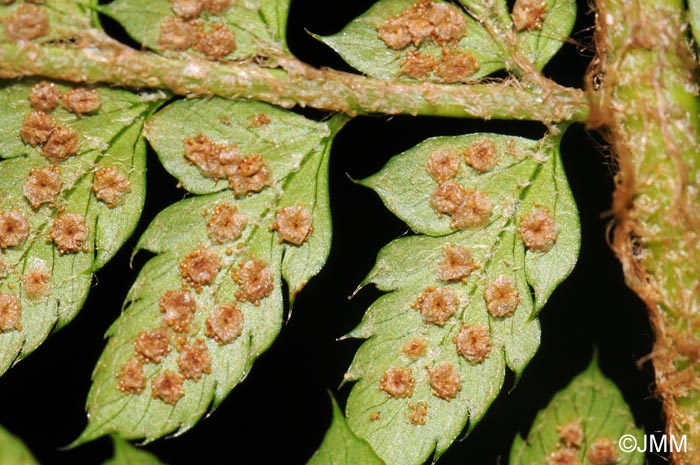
x,y
525,176
259,28
126,454
341,446
50,285
296,179
694,17
591,411
539,45
361,47
13,451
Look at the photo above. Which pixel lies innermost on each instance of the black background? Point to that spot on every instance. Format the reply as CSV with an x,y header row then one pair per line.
x,y
280,413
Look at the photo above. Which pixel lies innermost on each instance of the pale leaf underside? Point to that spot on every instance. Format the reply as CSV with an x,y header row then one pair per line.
x,y
584,421
524,178
295,153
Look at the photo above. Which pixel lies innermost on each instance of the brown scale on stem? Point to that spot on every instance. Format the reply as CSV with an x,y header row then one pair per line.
x,y
27,22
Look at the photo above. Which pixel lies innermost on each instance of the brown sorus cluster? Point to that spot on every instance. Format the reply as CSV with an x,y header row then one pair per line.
x,y
194,360
39,129
563,456
453,66
261,119
132,379
397,382
481,155
189,9
437,305
69,232
200,267
27,22
417,412
62,143
44,96
14,228
152,346
602,451
467,207
529,15
456,265
473,342
571,434
226,224
43,185
444,379
501,297
443,165
185,31
293,224
178,307
216,160
225,323
186,9
414,348
110,186
214,40
538,230
81,100
35,281
36,128
10,312
426,20
167,387
255,279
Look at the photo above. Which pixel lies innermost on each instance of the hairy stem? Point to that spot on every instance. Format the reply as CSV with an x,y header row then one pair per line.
x,y
645,95
287,82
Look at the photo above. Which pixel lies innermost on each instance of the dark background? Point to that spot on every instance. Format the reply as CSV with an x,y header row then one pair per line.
x,y
280,413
